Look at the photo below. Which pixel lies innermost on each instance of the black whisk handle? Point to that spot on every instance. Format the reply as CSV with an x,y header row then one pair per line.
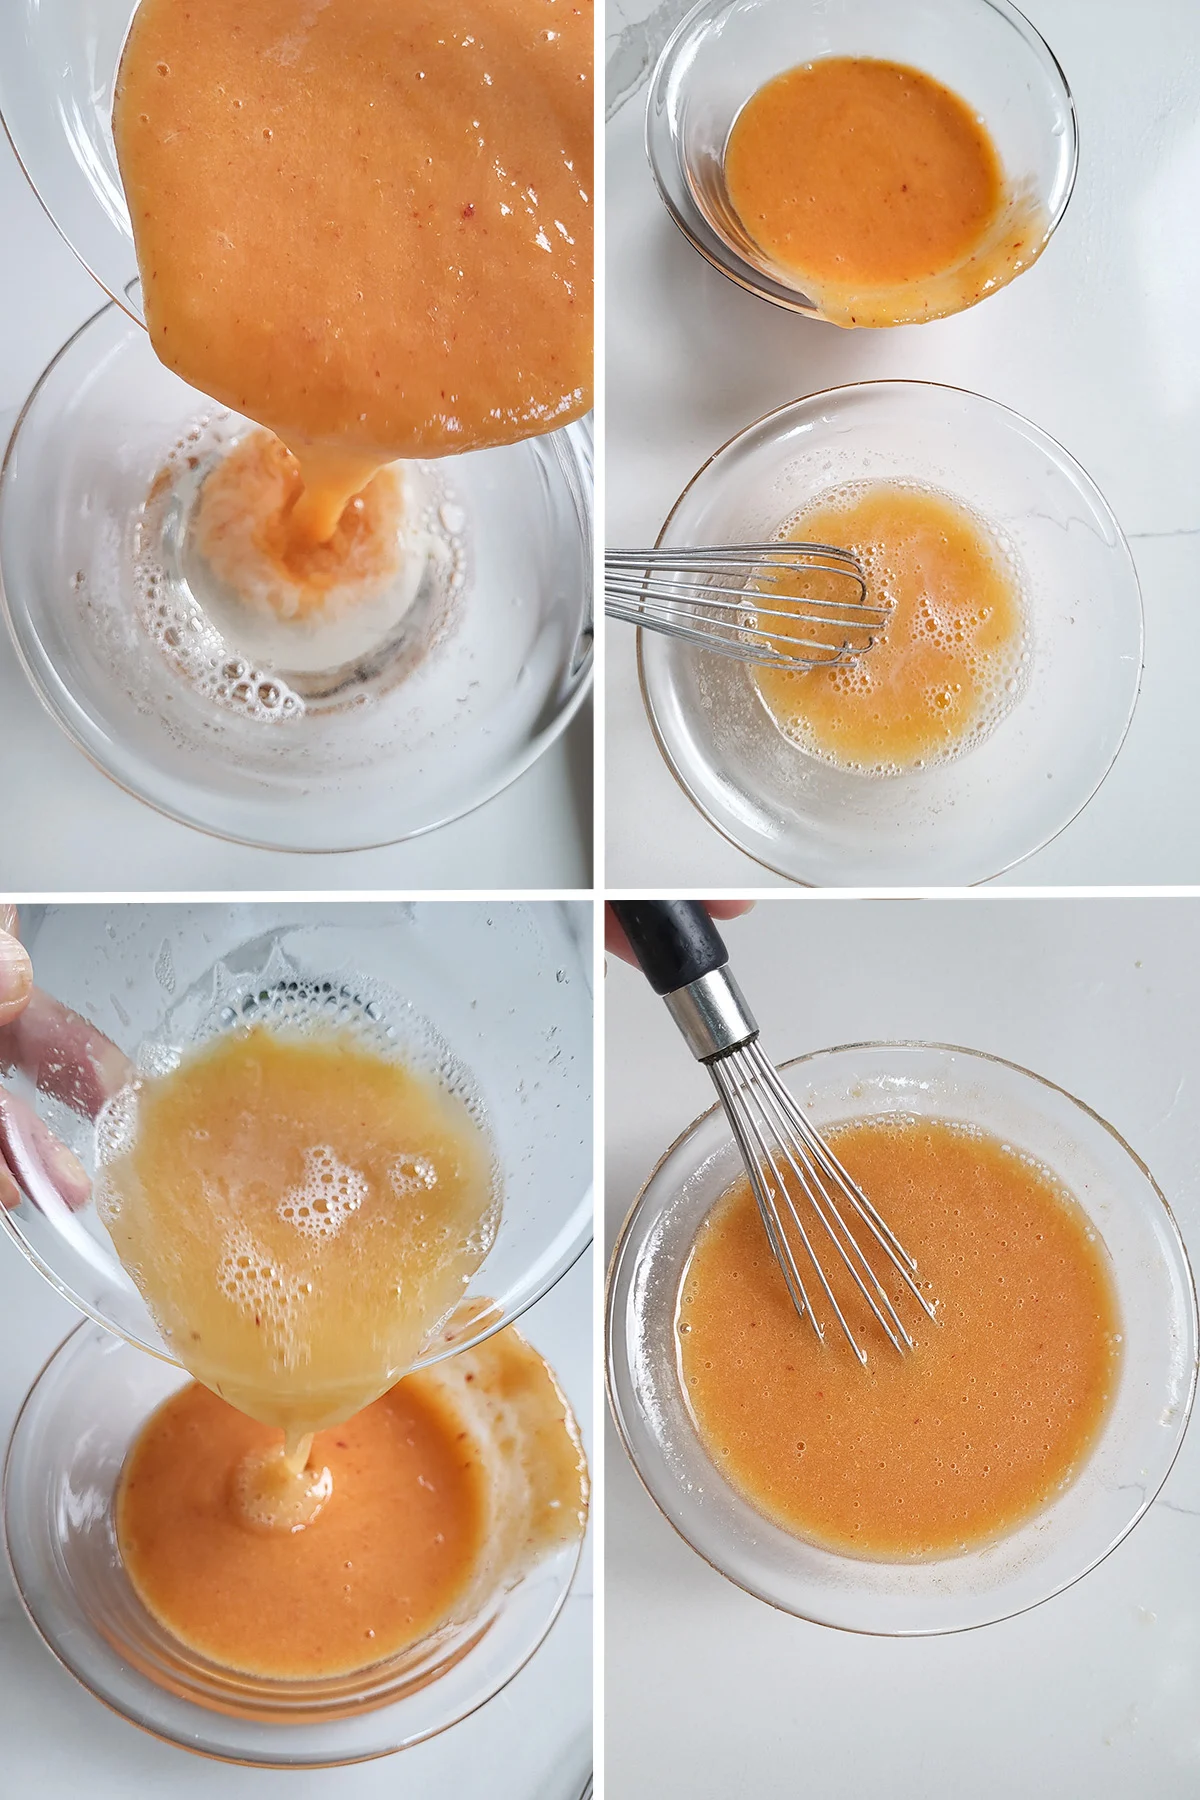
x,y
674,941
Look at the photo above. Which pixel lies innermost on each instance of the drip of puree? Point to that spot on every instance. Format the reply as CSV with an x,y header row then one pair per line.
x,y
365,224
443,1492
952,1445
299,1211
948,665
879,191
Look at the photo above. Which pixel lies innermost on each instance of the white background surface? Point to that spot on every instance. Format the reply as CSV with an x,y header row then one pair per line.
x,y
66,828
1093,1696
531,1742
1097,344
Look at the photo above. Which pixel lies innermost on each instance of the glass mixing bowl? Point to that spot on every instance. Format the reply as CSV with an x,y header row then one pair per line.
x,y
952,822
1126,1468
983,50
125,635
166,692
64,1462
499,994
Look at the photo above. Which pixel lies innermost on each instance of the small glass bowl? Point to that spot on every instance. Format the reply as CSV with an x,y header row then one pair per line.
x,y
115,626
953,822
63,1466
1049,1552
500,994
723,52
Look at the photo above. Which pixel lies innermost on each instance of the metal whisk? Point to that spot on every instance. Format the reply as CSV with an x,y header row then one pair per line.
x,y
685,960
798,606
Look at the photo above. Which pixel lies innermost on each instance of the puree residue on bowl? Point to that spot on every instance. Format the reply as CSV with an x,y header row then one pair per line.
x,y
878,191
955,1443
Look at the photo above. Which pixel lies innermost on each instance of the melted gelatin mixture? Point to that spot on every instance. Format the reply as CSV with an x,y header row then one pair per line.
x,y
438,1495
365,226
949,663
940,1450
878,191
241,529
299,1213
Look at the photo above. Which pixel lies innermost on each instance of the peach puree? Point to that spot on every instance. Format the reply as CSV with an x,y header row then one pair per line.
x,y
299,1211
947,666
947,1447
365,224
420,1528
878,191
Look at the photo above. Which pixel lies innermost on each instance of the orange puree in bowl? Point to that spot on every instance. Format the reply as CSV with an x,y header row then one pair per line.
x,y
382,1565
949,662
878,191
365,223
945,1448
440,1495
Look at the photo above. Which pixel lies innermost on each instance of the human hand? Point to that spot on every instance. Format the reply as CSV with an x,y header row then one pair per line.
x,y
63,1056
617,944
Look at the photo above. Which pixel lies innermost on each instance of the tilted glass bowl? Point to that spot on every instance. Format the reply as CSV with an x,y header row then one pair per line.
x,y
1125,1469
502,992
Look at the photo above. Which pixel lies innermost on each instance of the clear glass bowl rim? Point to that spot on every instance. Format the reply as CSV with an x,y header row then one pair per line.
x,y
827,394
578,440
612,1324
742,274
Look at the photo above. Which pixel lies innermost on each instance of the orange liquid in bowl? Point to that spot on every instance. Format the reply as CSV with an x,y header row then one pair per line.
x,y
949,663
878,191
418,1531
950,1446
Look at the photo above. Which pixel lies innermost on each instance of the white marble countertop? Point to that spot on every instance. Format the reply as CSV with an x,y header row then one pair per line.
x,y
1091,1696
1097,344
532,1742
66,828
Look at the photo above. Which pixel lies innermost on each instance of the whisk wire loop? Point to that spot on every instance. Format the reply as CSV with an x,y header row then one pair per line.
x,y
749,601
887,1240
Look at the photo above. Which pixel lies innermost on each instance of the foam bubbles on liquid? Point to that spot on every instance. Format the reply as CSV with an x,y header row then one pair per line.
x,y
1001,677
250,1280
411,1175
329,1194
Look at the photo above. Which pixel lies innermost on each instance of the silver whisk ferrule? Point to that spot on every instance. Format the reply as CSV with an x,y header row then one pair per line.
x,y
756,603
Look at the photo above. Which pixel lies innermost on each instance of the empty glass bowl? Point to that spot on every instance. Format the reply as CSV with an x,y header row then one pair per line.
x,y
951,822
983,50
64,1462
1050,1551
499,995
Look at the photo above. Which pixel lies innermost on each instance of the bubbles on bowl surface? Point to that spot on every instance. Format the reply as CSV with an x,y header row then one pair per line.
x,y
264,1294
329,1193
